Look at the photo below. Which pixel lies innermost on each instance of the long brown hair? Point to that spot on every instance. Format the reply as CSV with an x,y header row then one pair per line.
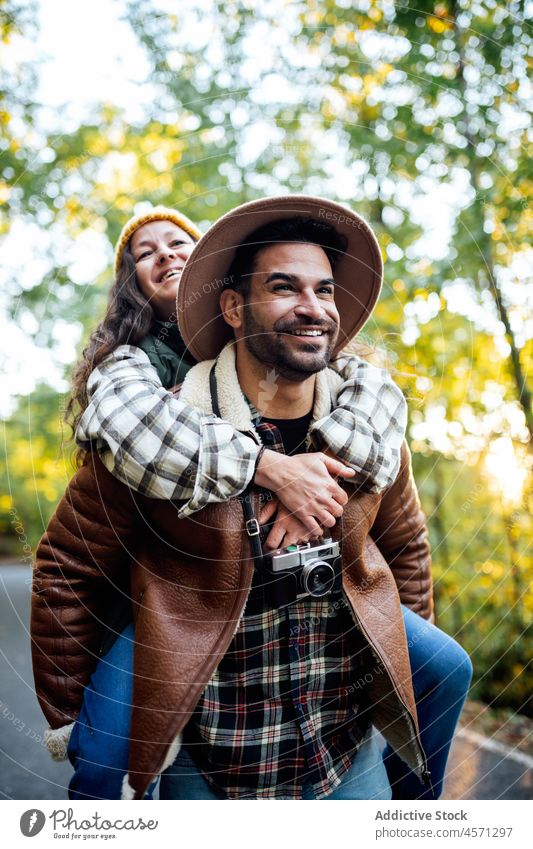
x,y
128,318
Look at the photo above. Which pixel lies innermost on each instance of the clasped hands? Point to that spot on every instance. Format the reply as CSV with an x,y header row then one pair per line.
x,y
307,498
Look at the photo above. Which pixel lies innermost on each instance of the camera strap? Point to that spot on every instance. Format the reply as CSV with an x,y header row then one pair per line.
x,y
251,524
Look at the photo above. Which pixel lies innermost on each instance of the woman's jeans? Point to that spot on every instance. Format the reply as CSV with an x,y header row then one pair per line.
x,y
99,743
98,747
441,672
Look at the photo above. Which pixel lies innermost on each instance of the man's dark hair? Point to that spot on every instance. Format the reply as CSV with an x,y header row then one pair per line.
x,y
287,230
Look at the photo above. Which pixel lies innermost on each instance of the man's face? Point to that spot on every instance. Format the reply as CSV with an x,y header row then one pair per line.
x,y
289,320
160,249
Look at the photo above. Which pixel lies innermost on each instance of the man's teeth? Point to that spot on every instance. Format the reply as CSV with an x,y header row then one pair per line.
x,y
307,332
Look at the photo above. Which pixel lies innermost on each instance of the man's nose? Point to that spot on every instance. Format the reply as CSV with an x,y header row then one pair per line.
x,y
309,305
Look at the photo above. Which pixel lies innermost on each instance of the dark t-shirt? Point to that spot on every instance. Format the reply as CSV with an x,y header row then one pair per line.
x,y
293,432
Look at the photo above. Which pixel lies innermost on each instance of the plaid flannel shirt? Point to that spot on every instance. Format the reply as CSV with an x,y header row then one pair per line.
x,y
164,448
287,701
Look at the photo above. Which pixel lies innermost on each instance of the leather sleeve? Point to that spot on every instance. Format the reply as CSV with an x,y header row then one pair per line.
x,y
401,534
82,566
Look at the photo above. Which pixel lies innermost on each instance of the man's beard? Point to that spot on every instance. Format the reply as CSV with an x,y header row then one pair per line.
x,y
273,350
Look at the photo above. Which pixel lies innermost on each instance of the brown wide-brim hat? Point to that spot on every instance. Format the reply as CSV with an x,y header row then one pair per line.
x,y
358,272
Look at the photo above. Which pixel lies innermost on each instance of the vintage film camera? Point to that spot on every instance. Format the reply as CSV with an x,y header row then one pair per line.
x,y
312,569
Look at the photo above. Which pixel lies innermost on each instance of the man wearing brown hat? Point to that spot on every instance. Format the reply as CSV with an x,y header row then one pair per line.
x,y
267,673
286,713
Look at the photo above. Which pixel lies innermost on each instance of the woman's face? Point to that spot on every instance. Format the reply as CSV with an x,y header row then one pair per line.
x,y
159,249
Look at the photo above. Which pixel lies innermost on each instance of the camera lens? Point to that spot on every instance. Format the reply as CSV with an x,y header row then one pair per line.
x,y
318,578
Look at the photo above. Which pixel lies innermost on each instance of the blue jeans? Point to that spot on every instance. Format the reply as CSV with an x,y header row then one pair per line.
x,y
441,672
98,748
366,778
99,743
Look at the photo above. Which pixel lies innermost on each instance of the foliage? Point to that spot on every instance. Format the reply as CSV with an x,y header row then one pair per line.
x,y
38,465
482,573
416,115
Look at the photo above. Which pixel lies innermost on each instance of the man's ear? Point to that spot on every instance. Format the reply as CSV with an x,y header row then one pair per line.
x,y
231,303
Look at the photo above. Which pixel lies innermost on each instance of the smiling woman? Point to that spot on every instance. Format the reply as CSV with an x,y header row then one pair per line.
x,y
159,250
136,299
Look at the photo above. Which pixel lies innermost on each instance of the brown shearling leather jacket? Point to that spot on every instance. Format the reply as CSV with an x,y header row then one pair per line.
x,y
188,581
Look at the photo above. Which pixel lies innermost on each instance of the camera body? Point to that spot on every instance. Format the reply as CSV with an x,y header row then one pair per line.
x,y
298,571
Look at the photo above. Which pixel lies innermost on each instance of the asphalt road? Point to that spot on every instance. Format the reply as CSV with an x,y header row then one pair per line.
x,y
478,767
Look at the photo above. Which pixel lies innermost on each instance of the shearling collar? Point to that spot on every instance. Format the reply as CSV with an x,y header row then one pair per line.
x,y
232,401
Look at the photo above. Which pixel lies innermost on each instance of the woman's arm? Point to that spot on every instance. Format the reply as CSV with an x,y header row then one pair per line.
x,y
164,448
157,444
367,426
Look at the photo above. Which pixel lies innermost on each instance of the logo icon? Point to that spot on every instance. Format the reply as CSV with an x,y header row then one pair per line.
x,y
268,389
32,822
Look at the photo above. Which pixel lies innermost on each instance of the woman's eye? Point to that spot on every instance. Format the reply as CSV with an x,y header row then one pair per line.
x,y
143,255
180,243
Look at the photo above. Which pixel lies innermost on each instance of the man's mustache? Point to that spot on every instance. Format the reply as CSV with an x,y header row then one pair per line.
x,y
326,326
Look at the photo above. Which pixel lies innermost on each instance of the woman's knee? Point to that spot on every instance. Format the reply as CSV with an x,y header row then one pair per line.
x,y
434,654
453,666
462,669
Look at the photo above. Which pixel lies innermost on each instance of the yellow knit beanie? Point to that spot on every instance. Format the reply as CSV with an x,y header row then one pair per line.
x,y
157,213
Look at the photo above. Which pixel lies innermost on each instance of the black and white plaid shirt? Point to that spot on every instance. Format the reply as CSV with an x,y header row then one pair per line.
x,y
286,702
165,448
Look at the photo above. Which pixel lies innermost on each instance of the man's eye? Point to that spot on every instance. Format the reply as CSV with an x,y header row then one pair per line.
x,y
326,290
279,286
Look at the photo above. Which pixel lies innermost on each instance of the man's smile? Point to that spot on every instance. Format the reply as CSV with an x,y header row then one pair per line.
x,y
305,332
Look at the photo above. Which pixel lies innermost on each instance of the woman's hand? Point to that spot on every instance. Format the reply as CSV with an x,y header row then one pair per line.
x,y
305,486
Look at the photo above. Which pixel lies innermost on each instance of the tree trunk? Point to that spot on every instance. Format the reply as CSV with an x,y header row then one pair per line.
x,y
523,393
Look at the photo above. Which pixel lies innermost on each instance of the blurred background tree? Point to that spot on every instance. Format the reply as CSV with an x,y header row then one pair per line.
x,y
418,117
